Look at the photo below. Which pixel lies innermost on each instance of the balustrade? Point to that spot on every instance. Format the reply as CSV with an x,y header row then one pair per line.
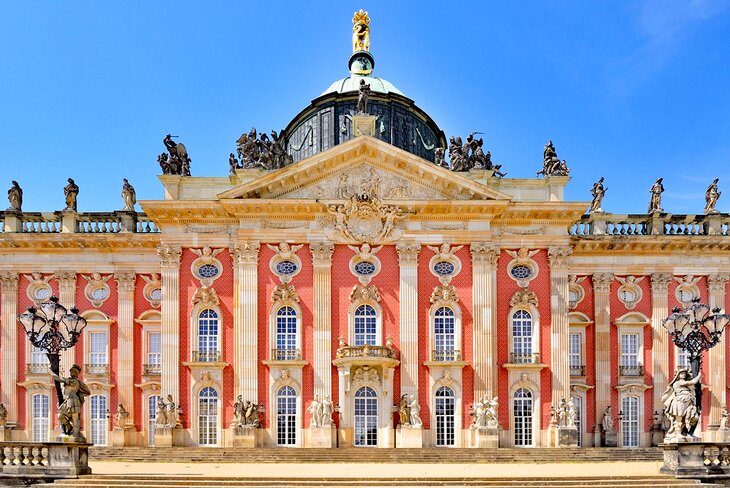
x,y
96,369
577,371
636,370
445,355
286,354
151,369
206,356
40,223
524,358
44,460
366,351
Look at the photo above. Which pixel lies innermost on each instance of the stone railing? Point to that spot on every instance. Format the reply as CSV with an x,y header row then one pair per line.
x,y
74,222
524,358
577,371
637,370
96,369
445,355
44,460
366,351
151,369
605,224
37,368
286,354
206,356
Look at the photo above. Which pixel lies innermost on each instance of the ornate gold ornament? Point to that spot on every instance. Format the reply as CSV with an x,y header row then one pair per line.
x,y
360,31
364,293
284,293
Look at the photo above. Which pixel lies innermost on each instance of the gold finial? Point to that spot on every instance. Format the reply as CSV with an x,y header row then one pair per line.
x,y
360,31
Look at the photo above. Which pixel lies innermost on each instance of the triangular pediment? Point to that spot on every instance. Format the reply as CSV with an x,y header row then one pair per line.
x,y
364,165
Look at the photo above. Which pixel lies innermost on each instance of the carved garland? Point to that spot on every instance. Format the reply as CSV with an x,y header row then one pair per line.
x,y
207,296
444,296
523,297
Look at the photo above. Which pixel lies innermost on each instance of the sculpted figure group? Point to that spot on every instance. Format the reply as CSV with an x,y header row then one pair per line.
x,y
409,411
485,413
176,161
246,413
321,411
258,151
566,413
551,165
167,414
467,156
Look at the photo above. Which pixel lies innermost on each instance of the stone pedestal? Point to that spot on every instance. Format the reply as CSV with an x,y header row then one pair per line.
x,y
363,125
247,436
567,437
168,437
5,434
122,437
322,437
610,439
707,461
485,437
408,437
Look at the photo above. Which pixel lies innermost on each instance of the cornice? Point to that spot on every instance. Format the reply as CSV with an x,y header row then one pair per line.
x,y
100,242
591,245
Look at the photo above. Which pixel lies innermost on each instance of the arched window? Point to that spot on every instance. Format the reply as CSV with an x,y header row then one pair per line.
x,y
630,421
98,419
286,334
286,416
522,412
445,417
208,417
40,417
152,401
366,417
522,337
444,334
207,336
365,325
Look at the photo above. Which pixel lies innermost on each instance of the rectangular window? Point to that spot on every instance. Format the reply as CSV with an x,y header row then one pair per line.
x,y
38,356
98,342
630,363
682,358
154,350
575,354
41,419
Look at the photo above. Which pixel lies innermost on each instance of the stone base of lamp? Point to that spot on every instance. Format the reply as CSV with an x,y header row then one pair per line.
x,y
407,437
322,437
567,436
247,436
706,461
45,460
484,437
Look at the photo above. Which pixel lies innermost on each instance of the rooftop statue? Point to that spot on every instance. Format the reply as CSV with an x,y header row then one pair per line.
x,y
128,195
655,202
15,197
360,31
711,197
551,165
178,162
470,155
362,98
597,191
71,191
258,151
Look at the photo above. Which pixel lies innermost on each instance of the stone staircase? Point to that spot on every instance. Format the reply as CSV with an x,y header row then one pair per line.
x,y
441,456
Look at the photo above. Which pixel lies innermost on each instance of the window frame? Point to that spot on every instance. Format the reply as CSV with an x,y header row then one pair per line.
x,y
378,320
195,350
457,334
535,338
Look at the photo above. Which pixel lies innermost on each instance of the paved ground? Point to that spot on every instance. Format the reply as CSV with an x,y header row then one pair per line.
x,y
347,470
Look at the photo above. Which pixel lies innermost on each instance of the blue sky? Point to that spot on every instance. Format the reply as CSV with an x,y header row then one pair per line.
x,y
628,90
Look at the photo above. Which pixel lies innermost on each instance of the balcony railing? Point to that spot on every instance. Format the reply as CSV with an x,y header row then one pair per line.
x,y
151,369
524,357
206,356
96,369
636,370
577,371
445,355
37,368
599,224
366,351
286,354
76,222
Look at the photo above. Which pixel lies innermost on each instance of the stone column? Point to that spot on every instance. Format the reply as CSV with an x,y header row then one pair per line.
x,y
125,341
322,317
660,339
170,321
559,325
716,284
484,295
408,260
67,298
245,320
9,323
602,317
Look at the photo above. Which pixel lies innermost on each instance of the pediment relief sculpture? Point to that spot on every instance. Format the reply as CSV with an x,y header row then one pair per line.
x,y
523,297
444,295
363,219
366,374
284,293
206,295
364,293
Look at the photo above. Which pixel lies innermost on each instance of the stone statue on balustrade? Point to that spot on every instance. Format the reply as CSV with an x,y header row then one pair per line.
x,y
71,192
655,202
15,197
711,197
75,392
178,161
597,191
258,151
680,406
551,164
128,195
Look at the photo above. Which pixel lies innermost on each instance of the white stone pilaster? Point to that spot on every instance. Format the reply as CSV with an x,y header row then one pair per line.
x,y
602,318
245,320
559,324
484,296
322,317
716,285
67,298
125,341
170,321
408,261
660,339
9,352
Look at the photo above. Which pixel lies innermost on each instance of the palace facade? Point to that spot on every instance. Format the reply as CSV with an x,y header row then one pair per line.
x,y
343,261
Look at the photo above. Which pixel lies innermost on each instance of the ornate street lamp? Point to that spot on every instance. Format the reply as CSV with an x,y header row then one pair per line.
x,y
695,330
53,329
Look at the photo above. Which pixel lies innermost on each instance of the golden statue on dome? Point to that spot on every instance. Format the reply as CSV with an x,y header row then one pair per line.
x,y
360,31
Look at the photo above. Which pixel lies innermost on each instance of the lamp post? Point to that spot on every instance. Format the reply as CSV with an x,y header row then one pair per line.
x,y
53,329
695,330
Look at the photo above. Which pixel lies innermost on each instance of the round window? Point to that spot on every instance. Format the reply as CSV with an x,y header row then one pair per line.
x,y
208,271
365,268
521,272
628,295
444,268
286,267
156,294
42,293
685,295
572,296
100,293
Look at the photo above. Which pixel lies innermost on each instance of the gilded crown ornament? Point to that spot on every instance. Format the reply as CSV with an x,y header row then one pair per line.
x,y
360,31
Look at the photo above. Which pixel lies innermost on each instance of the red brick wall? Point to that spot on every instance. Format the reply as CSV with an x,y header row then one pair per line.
x,y
587,307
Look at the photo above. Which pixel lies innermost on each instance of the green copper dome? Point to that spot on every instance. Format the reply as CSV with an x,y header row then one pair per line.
x,y
352,84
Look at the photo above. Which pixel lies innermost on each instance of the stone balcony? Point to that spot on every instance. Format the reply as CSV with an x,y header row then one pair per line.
x,y
635,370
286,355
61,222
524,358
445,355
577,371
205,356
152,369
96,369
366,354
37,368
